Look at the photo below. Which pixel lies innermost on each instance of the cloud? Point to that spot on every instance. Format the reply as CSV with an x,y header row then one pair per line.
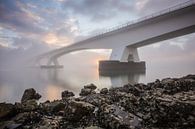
x,y
98,10
13,16
37,21
146,7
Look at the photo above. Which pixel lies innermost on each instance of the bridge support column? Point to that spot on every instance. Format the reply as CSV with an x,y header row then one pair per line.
x,y
122,60
52,63
125,54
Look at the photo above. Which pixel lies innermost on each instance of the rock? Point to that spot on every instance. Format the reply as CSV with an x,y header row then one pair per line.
x,y
114,117
30,94
13,126
10,125
7,111
66,94
132,89
169,103
86,91
53,122
27,118
90,86
77,110
190,76
53,107
29,105
104,91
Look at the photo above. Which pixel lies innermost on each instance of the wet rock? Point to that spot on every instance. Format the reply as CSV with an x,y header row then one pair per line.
x,y
29,105
78,110
86,91
10,125
53,107
114,117
104,91
190,76
134,89
90,86
30,94
96,99
169,103
13,126
53,122
7,111
66,94
27,118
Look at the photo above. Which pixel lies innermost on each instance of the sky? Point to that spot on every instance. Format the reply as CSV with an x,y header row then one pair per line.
x,y
31,27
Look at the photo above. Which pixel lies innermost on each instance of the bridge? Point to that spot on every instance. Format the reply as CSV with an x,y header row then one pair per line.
x,y
125,39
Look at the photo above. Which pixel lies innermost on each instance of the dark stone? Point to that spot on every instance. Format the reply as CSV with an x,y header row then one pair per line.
x,y
67,94
86,91
169,103
190,76
114,117
27,117
29,105
90,86
7,111
78,110
13,126
53,107
30,94
104,91
48,122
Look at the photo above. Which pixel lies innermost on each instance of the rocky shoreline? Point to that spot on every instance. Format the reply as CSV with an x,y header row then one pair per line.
x,y
164,104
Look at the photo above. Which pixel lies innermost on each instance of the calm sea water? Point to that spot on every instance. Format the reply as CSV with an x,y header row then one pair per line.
x,y
78,72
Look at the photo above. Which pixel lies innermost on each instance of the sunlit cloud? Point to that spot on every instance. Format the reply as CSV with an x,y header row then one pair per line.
x,y
53,39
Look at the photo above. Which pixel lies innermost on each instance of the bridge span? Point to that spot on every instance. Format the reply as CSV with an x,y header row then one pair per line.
x,y
125,39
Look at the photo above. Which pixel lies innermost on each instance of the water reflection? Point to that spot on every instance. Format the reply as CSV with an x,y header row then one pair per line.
x,y
121,78
51,82
54,78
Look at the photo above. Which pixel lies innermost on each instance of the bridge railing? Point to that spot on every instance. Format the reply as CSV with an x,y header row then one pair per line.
x,y
126,25
142,19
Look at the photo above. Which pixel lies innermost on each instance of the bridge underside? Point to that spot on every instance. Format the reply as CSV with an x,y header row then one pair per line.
x,y
125,40
123,54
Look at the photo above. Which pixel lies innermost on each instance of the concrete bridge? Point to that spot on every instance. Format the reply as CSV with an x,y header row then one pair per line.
x,y
125,39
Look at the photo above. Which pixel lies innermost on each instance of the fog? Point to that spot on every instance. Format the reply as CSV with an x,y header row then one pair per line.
x,y
30,28
171,58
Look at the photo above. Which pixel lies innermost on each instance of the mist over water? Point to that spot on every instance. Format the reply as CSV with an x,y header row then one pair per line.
x,y
81,68
172,58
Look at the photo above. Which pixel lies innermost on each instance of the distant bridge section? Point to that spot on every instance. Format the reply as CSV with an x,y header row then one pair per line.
x,y
125,39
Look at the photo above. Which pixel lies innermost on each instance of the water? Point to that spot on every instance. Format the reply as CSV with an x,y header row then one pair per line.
x,y
79,71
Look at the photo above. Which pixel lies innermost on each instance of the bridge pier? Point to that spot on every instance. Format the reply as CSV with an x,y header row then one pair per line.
x,y
125,54
52,63
122,60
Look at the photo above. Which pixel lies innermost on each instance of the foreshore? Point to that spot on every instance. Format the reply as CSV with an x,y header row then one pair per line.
x,y
163,104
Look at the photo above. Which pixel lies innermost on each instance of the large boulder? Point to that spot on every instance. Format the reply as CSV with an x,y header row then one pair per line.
x,y
90,86
88,89
53,107
104,91
114,117
77,110
27,117
7,110
29,105
53,122
30,94
67,94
